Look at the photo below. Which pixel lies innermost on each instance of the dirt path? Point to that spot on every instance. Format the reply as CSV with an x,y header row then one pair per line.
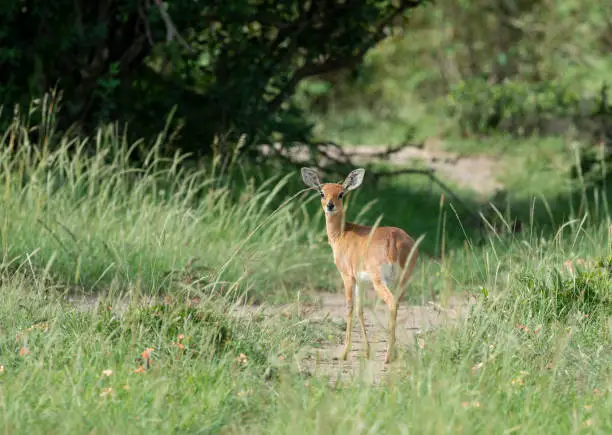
x,y
324,360
411,322
474,172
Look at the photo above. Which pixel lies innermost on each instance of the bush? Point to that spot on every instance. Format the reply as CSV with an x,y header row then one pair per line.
x,y
585,291
514,107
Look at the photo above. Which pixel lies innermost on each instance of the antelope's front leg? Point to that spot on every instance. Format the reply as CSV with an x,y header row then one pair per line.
x,y
349,284
359,300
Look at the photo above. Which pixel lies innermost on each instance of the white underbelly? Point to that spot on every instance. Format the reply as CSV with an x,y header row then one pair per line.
x,y
363,277
388,273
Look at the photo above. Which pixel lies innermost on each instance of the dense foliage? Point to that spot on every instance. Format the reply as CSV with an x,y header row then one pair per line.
x,y
463,70
229,66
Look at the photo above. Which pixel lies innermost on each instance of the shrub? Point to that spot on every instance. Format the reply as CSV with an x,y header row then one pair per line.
x,y
585,291
515,107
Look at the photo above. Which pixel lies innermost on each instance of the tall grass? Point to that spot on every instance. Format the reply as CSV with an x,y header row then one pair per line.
x,y
532,356
161,368
81,211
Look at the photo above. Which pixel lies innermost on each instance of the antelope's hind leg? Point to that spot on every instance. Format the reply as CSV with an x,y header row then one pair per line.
x,y
388,279
385,294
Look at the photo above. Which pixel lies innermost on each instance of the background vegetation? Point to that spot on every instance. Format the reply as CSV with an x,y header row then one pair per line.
x,y
230,68
476,68
130,269
123,295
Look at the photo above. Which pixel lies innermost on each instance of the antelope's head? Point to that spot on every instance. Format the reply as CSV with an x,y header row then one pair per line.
x,y
332,194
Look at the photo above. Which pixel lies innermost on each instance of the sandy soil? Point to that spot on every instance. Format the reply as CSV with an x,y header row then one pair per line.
x,y
412,320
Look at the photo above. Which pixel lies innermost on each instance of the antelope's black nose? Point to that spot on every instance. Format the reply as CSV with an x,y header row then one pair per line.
x,y
330,206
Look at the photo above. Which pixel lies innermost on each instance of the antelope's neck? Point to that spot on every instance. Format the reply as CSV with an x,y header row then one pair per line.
x,y
335,227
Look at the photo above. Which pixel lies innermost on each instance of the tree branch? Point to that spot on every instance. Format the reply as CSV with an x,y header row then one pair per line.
x,y
145,21
310,70
171,30
405,171
430,173
313,69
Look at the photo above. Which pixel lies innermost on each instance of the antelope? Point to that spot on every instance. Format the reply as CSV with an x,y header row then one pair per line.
x,y
382,256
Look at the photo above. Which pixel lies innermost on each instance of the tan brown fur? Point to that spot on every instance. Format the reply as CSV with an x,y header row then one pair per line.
x,y
364,253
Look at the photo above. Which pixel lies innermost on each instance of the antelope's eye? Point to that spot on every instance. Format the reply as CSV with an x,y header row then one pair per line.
x,y
340,195
322,195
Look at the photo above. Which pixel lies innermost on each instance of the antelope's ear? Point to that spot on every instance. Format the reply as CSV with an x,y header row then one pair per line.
x,y
354,179
311,178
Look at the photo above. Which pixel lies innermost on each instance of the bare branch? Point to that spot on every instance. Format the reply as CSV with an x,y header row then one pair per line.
x,y
339,149
143,17
309,70
430,173
346,162
427,171
171,28
313,69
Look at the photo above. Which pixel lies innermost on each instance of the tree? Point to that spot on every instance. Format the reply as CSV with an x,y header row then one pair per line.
x,y
230,67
